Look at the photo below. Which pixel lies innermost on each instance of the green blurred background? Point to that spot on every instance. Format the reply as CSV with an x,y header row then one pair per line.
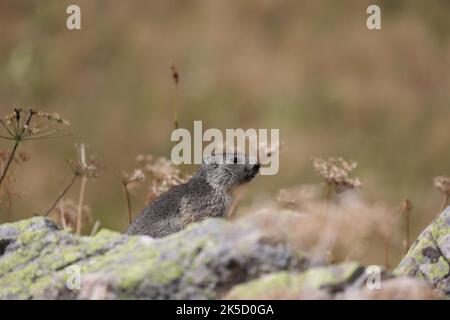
x,y
310,68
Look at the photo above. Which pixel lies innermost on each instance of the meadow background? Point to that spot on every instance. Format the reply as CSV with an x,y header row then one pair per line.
x,y
309,68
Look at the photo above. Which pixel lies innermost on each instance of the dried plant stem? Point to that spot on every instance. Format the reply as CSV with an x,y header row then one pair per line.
x,y
95,228
128,201
176,79
386,252
445,202
406,214
407,239
175,108
80,204
61,195
8,164
63,216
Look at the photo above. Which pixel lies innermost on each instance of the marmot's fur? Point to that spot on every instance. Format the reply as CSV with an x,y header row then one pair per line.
x,y
207,194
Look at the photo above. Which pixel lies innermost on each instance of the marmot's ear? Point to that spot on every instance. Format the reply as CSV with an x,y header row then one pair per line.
x,y
210,160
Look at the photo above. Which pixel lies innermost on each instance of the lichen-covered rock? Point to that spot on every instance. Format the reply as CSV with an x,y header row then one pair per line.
x,y
289,285
429,256
203,261
347,281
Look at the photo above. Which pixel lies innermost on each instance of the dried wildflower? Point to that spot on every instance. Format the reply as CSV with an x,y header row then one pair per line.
x,y
128,182
29,124
86,169
22,125
335,172
65,214
163,175
443,184
89,168
138,176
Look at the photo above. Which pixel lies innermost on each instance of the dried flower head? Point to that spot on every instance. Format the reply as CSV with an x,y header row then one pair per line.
x,y
89,168
137,176
335,172
163,175
132,180
443,184
28,124
65,214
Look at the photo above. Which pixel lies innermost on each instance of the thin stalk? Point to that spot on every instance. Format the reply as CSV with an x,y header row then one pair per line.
x,y
95,228
80,204
406,213
176,79
128,201
175,108
61,195
11,157
386,252
407,232
63,216
444,203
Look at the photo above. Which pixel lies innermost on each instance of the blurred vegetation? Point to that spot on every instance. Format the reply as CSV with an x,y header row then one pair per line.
x,y
310,68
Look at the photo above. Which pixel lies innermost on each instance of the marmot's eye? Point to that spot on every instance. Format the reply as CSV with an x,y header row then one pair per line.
x,y
235,160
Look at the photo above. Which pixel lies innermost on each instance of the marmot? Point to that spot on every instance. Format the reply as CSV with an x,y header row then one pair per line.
x,y
207,194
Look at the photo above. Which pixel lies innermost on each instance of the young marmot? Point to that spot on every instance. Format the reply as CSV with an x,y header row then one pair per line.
x,y
207,194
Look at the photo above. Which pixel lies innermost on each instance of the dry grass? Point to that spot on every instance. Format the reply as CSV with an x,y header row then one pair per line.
x,y
340,230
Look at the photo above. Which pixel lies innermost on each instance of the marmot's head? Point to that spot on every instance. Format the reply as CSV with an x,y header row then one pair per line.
x,y
228,170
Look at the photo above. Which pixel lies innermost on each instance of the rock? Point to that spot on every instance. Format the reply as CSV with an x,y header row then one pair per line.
x,y
393,289
346,281
289,285
201,262
429,256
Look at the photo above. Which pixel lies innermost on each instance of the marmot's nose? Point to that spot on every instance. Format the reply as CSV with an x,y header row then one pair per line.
x,y
256,167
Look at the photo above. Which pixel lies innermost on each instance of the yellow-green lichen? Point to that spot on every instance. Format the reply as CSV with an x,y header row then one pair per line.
x,y
292,284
